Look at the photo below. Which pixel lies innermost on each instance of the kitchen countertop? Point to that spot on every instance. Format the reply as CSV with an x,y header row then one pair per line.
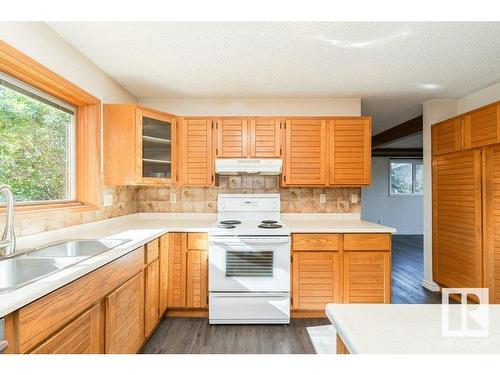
x,y
142,228
409,329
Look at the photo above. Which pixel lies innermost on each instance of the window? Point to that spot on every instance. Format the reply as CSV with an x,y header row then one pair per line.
x,y
405,177
37,144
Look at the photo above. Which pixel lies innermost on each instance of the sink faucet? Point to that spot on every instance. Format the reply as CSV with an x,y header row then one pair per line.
x,y
8,240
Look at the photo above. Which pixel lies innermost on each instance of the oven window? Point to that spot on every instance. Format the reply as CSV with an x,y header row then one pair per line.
x,y
249,264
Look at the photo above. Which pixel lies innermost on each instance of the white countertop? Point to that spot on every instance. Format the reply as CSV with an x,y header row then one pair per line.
x,y
332,223
409,329
142,228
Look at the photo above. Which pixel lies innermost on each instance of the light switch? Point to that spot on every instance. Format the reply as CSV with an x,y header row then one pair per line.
x,y
322,198
108,200
354,198
173,198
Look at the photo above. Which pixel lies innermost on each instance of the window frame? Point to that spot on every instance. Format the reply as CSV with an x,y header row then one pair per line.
x,y
88,182
70,172
414,163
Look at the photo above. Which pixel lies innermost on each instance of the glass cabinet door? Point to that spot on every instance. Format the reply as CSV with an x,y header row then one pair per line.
x,y
156,147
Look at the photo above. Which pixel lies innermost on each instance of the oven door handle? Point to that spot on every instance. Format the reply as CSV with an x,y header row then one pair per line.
x,y
250,241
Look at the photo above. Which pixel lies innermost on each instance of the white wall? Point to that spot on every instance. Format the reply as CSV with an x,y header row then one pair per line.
x,y
44,45
257,107
403,213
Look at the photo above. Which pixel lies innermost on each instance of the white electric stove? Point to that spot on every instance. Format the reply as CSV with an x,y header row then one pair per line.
x,y
249,261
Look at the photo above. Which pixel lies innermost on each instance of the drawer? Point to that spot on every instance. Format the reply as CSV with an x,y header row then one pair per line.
x,y
197,241
315,241
366,242
152,251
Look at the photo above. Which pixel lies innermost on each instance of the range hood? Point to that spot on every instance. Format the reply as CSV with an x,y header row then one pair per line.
x,y
248,166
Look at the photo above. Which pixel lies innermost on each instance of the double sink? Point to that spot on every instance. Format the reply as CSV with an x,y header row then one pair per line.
x,y
22,269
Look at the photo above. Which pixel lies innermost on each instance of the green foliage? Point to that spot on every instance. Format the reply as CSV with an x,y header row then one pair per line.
x,y
401,178
33,144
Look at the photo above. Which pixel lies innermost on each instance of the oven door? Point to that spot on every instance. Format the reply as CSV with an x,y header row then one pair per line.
x,y
249,264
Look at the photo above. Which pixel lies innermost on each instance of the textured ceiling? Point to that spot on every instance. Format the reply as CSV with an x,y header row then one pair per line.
x,y
393,67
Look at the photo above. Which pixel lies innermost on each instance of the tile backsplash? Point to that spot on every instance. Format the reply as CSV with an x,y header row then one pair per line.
x,y
124,203
204,199
128,200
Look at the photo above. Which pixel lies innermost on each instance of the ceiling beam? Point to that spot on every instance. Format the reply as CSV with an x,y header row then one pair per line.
x,y
413,126
398,152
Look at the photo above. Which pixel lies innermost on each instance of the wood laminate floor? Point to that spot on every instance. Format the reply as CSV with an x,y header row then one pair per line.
x,y
195,335
408,271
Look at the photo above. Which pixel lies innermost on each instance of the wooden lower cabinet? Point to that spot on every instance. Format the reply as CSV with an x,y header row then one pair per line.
x,y
163,266
367,277
316,279
82,336
340,268
188,271
151,297
125,317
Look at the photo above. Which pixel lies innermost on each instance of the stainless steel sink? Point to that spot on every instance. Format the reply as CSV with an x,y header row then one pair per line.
x,y
76,248
19,271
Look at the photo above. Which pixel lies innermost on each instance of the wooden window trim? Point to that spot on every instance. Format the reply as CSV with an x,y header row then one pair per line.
x,y
88,125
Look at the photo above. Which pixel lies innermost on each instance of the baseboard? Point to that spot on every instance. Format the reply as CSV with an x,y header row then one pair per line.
x,y
187,313
431,285
304,314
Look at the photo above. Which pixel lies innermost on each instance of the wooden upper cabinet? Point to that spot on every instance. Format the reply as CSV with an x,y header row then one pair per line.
x,y
125,317
232,137
265,138
457,219
139,146
492,223
196,164
447,136
305,152
349,151
82,336
482,127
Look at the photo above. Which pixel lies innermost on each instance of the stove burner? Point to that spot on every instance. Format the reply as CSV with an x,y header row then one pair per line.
x,y
226,226
269,226
230,222
268,221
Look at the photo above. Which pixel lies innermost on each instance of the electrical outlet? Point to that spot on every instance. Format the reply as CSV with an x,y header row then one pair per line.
x,y
322,198
354,198
173,197
108,200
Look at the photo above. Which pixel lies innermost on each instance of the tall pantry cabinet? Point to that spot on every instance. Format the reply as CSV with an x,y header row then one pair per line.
x,y
466,201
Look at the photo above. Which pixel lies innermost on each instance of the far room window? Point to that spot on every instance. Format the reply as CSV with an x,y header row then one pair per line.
x,y
37,144
405,177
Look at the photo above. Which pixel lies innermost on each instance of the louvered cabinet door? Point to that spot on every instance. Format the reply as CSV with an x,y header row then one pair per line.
x,y
482,127
457,223
177,270
152,282
315,279
447,137
367,277
125,317
196,162
350,151
265,138
81,336
232,138
163,270
492,222
197,279
305,152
